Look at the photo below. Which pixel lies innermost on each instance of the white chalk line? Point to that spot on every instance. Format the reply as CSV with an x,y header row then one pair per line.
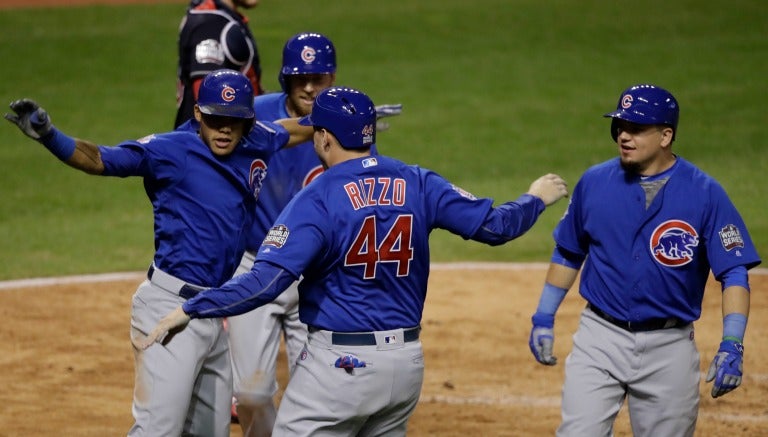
x,y
126,276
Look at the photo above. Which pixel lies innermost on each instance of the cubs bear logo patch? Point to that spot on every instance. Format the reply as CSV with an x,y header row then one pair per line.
x,y
256,176
673,242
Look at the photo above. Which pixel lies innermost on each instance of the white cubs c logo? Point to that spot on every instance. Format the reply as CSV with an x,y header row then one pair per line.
x,y
308,55
626,101
673,242
228,94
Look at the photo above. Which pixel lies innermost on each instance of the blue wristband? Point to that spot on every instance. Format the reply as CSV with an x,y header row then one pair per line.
x,y
734,325
551,298
62,146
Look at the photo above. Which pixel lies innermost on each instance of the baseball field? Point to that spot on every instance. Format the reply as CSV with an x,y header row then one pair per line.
x,y
495,93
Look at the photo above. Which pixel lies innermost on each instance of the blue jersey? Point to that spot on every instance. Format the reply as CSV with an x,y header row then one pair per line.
x,y
359,235
203,204
652,263
289,171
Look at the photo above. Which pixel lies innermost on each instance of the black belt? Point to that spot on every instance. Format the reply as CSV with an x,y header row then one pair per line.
x,y
187,291
645,325
368,338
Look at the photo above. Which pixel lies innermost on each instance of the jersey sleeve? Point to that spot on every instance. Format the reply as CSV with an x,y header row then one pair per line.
x,y
729,242
267,137
569,232
453,208
300,232
149,157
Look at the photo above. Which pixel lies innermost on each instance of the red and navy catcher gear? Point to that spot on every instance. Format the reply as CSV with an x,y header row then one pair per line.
x,y
646,104
307,53
347,113
227,93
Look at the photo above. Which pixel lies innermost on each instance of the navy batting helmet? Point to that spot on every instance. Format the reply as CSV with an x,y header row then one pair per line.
x,y
227,93
347,113
646,104
307,53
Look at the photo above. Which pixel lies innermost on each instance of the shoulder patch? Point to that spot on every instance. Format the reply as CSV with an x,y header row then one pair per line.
x,y
463,192
146,139
209,51
730,237
277,236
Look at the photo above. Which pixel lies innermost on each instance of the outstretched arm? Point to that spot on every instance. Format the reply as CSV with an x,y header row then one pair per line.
x,y
512,219
35,123
299,134
239,295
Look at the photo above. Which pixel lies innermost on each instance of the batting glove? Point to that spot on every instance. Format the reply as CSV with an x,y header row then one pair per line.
x,y
726,368
543,338
386,111
30,118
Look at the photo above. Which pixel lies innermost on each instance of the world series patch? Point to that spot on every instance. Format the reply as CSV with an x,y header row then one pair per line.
x,y
277,236
731,238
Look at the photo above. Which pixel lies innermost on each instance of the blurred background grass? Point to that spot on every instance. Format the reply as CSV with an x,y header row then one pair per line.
x,y
495,93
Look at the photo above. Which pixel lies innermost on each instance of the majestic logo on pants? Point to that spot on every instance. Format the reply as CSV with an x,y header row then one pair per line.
x,y
673,242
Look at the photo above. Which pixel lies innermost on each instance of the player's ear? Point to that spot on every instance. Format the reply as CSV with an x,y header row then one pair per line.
x,y
667,134
198,114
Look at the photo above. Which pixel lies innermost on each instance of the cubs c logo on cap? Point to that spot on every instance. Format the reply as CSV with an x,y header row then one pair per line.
x,y
626,101
228,94
673,242
308,55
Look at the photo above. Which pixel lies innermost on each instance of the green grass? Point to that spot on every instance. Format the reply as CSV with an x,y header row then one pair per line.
x,y
495,93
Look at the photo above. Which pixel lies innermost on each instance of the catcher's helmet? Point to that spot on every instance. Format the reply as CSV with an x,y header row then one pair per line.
x,y
646,104
226,92
307,53
347,113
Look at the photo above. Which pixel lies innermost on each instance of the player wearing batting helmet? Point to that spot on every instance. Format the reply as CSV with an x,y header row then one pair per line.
x,y
203,183
308,67
359,237
645,229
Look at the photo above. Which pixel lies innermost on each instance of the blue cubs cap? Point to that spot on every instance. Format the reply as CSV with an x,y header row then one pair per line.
x,y
646,104
226,93
347,113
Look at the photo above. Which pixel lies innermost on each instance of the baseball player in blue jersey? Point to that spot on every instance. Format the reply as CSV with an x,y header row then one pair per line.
x,y
308,67
203,185
645,229
359,235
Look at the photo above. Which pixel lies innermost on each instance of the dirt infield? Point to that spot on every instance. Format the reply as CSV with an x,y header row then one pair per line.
x,y
66,365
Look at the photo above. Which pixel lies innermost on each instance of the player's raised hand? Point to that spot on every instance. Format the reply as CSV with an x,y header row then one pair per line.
x,y
176,319
726,368
31,119
542,339
386,111
549,188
